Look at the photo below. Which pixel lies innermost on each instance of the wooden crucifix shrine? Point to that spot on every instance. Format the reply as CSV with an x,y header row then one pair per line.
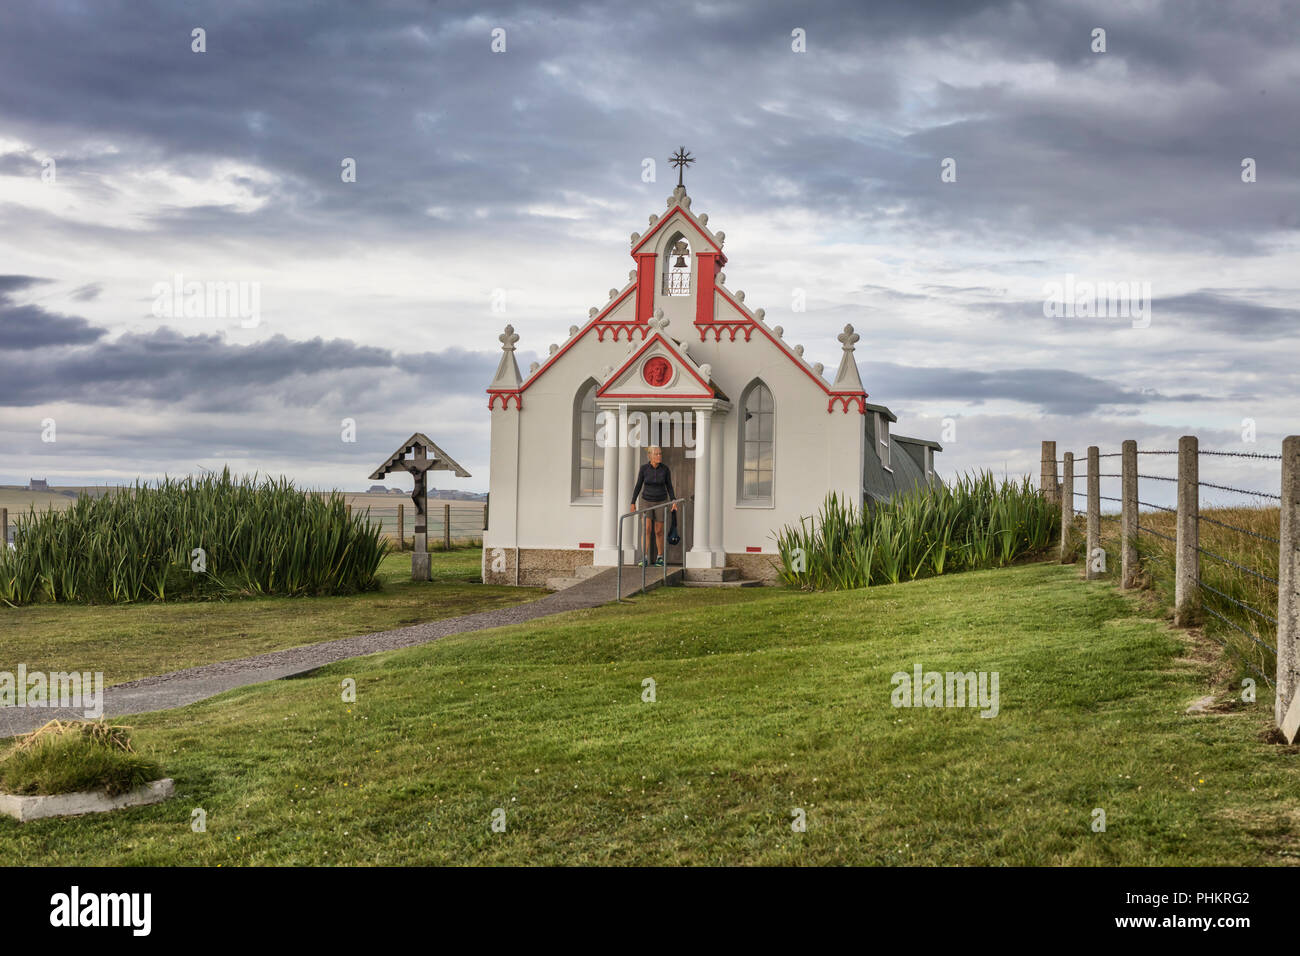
x,y
419,456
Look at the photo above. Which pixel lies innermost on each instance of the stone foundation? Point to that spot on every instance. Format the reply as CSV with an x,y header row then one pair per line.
x,y
757,567
539,564
536,565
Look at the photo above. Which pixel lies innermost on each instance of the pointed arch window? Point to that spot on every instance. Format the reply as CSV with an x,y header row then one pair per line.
x,y
757,445
588,454
677,266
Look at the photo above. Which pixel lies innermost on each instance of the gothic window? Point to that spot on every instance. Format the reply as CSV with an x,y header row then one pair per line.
x,y
589,456
757,442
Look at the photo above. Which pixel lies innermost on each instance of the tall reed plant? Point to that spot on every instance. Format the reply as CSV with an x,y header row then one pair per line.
x,y
976,522
209,537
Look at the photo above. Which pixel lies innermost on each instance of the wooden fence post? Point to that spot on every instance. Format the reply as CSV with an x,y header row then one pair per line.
x,y
1288,600
1187,564
1094,513
1047,472
1067,502
349,510
401,527
1128,514
446,527
4,527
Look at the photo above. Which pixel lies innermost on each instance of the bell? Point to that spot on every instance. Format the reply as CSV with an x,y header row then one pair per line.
x,y
680,263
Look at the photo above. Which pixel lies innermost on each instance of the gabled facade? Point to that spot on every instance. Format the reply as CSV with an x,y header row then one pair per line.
x,y
754,434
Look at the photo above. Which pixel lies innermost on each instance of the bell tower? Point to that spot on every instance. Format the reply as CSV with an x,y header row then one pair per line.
x,y
678,259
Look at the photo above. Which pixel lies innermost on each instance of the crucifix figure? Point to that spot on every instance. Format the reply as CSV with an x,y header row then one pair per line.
x,y
419,464
681,159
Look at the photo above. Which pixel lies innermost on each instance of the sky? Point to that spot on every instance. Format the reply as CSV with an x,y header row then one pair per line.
x,y
936,174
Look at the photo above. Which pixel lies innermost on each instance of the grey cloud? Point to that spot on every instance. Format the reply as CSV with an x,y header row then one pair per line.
x,y
24,327
208,373
1056,391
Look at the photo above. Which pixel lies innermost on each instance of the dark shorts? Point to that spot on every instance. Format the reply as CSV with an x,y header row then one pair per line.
x,y
646,504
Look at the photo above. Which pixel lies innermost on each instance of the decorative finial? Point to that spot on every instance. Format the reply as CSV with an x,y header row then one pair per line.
x,y
554,348
659,322
681,159
778,330
707,371
573,330
613,293
819,368
508,339
593,312
704,218
532,369
848,337
798,350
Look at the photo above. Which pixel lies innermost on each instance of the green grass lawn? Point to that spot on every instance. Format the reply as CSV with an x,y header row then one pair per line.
x,y
767,700
126,642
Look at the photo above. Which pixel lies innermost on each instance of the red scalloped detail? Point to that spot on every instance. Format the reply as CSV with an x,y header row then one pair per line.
x,y
616,327
731,328
505,400
844,401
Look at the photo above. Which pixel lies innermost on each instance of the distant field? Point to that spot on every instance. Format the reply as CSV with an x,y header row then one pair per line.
x,y
20,502
466,516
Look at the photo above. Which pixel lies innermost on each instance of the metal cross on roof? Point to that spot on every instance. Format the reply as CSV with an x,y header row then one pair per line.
x,y
681,159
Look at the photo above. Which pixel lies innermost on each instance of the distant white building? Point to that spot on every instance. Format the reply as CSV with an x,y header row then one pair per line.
x,y
754,434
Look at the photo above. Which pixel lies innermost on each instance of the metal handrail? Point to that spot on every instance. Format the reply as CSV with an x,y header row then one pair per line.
x,y
618,594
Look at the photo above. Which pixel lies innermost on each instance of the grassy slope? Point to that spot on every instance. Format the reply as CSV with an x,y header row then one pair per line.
x,y
767,700
126,642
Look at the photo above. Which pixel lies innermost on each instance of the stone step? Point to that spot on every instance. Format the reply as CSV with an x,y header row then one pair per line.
x,y
587,571
734,583
704,575
559,584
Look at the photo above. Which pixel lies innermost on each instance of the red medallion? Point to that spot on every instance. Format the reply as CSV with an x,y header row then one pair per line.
x,y
657,371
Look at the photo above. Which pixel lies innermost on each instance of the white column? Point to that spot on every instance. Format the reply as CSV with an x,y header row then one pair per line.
x,y
629,459
699,555
716,497
607,553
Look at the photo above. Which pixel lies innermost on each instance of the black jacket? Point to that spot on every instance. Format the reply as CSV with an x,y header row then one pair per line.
x,y
657,480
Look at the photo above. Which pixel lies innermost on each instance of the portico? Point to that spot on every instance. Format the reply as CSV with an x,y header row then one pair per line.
x,y
690,434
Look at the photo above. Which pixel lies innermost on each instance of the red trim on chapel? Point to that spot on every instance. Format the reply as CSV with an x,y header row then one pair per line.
x,y
669,215
657,337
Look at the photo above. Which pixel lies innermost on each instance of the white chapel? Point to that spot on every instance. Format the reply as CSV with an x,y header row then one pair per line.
x,y
755,436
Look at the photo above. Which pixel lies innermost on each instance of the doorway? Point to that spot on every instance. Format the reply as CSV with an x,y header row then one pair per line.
x,y
675,441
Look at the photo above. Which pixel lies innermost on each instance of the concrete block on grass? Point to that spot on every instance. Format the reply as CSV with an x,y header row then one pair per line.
x,y
24,808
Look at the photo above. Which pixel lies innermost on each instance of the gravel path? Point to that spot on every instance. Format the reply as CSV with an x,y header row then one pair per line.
x,y
167,691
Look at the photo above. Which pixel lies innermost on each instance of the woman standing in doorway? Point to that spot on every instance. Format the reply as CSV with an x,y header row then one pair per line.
x,y
654,485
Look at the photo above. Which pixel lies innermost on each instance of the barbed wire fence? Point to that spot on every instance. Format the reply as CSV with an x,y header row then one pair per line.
x,y
1180,555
